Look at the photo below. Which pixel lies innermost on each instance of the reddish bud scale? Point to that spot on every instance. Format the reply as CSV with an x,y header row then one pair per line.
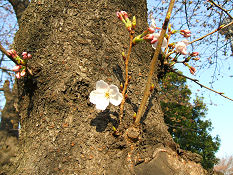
x,y
121,87
152,87
134,116
129,78
123,56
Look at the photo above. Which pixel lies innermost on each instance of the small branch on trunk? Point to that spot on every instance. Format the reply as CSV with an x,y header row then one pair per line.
x,y
126,77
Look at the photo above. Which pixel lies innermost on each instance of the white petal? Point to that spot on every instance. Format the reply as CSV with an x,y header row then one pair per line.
x,y
164,44
103,105
101,86
113,90
99,99
115,96
96,96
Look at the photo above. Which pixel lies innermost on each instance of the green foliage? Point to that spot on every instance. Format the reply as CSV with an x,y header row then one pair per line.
x,y
186,121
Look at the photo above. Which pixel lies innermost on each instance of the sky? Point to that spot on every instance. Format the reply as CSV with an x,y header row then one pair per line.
x,y
220,110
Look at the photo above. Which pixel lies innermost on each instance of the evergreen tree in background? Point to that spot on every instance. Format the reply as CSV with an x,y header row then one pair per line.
x,y
186,121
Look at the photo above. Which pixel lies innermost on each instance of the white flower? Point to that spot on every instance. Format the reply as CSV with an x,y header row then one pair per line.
x,y
105,94
181,47
155,41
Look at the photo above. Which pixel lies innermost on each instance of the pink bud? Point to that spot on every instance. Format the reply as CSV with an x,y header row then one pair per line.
x,y
148,37
124,13
25,56
18,75
192,70
186,33
193,54
154,40
29,56
12,53
119,15
24,53
16,68
23,73
151,30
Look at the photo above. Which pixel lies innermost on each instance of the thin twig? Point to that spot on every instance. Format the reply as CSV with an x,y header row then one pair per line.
x,y
126,76
220,28
197,82
5,69
216,5
153,64
6,53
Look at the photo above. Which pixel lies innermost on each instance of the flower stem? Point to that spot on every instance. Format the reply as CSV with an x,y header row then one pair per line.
x,y
126,76
153,65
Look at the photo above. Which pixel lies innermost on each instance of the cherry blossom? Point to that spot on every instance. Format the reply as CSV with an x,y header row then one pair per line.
x,y
181,47
155,39
104,94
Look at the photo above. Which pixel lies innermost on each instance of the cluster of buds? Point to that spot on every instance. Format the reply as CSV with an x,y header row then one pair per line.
x,y
26,56
20,68
20,71
186,33
123,16
12,53
146,35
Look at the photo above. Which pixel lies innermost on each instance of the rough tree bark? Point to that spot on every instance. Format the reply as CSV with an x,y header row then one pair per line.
x,y
74,44
8,129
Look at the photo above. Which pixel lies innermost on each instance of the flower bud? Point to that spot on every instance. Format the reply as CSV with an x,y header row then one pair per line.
x,y
29,56
123,56
134,116
129,78
18,75
149,37
151,30
196,59
24,54
121,87
193,54
23,73
186,33
152,87
16,68
192,70
134,22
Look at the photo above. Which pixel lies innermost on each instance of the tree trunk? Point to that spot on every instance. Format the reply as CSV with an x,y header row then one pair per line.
x,y
8,129
75,44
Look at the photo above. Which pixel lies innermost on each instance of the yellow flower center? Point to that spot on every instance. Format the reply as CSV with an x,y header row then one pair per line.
x,y
107,95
